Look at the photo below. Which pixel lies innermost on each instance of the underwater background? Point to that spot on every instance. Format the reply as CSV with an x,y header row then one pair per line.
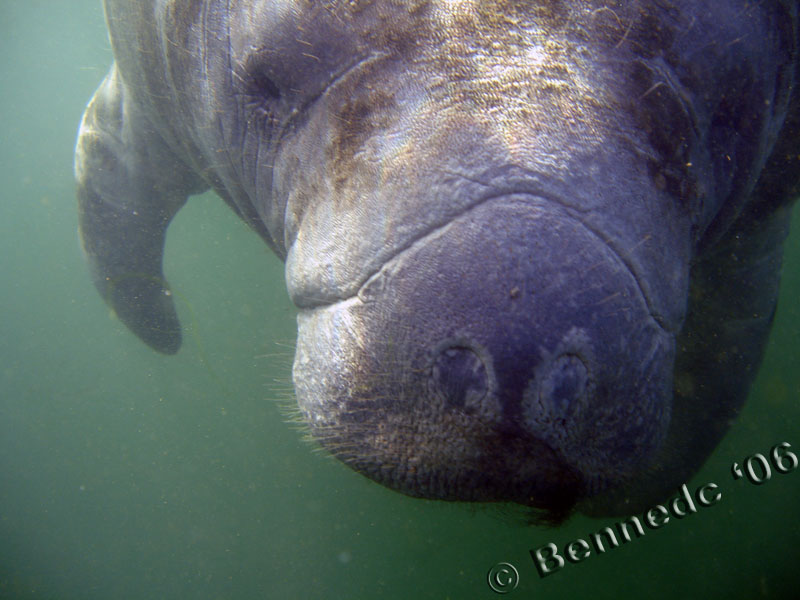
x,y
126,474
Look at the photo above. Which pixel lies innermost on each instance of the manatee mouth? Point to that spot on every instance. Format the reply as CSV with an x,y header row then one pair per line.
x,y
510,356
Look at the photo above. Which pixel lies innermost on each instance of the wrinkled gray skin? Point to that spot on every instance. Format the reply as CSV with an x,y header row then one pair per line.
x,y
535,246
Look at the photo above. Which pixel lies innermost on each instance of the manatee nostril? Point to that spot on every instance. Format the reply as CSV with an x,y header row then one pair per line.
x,y
459,377
564,383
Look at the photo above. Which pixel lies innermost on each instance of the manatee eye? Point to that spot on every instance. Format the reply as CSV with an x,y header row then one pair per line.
x,y
264,86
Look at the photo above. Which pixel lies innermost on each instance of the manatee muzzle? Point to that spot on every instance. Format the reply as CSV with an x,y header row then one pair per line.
x,y
508,356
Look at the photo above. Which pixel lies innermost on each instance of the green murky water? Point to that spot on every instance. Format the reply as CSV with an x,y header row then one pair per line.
x,y
124,474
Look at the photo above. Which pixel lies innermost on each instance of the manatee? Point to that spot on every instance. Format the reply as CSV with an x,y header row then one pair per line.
x,y
535,246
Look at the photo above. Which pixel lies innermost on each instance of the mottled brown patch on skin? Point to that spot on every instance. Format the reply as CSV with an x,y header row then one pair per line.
x,y
528,77
359,118
499,33
548,14
509,69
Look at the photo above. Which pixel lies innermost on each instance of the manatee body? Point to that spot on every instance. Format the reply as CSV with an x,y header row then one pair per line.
x,y
535,246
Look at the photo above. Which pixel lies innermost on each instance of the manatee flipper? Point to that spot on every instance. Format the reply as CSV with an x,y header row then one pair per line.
x,y
130,185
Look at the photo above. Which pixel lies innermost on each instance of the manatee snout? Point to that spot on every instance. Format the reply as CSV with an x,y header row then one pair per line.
x,y
510,355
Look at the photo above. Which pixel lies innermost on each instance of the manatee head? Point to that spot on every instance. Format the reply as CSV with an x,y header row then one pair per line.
x,y
478,208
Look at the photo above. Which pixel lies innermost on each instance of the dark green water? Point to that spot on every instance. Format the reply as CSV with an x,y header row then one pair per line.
x,y
124,474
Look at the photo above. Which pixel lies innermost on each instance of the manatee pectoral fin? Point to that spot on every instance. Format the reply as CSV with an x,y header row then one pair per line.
x,y
130,185
124,252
